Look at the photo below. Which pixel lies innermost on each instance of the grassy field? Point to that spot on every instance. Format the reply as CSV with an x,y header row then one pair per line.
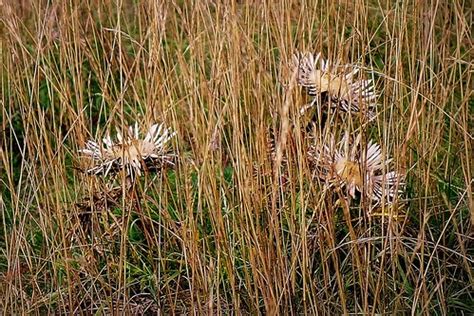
x,y
238,225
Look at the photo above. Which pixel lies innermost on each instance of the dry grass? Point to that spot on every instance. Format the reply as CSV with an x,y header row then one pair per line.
x,y
230,229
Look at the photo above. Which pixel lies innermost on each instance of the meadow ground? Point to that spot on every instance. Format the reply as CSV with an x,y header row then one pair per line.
x,y
232,227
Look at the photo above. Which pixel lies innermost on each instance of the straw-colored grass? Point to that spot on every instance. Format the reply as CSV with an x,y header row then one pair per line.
x,y
230,229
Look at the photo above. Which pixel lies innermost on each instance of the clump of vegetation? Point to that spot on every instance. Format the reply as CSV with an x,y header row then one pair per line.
x,y
343,185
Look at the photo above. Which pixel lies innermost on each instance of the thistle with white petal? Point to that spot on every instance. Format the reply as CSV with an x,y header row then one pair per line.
x,y
337,84
131,153
357,168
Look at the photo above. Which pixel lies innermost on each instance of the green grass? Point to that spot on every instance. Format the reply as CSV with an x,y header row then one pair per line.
x,y
222,232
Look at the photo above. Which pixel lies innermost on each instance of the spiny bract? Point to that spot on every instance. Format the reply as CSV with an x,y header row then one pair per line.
x,y
356,167
130,152
337,83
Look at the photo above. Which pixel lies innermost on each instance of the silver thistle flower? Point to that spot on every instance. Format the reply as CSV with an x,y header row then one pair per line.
x,y
130,152
338,83
357,168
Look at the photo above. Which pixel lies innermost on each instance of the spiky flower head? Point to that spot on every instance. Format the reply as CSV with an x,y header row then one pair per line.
x,y
131,153
338,83
350,165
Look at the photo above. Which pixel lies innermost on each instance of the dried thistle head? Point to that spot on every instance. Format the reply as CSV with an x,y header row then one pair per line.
x,y
347,164
131,153
323,78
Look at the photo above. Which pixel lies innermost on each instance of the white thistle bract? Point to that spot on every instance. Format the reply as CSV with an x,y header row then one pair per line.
x,y
357,168
131,153
339,83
